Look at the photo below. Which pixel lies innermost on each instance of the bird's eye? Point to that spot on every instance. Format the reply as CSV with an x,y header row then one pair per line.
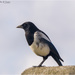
x,y
24,26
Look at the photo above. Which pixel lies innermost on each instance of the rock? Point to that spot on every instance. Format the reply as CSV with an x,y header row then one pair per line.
x,y
59,70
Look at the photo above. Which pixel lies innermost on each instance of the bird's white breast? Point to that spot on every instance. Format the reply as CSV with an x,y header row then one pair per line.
x,y
38,47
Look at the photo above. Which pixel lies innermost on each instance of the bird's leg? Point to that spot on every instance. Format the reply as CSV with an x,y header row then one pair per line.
x,y
40,65
44,58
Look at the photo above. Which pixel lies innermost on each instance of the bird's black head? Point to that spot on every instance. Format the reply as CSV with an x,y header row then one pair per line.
x,y
28,26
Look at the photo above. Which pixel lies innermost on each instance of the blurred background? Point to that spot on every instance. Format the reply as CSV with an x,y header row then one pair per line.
x,y
55,17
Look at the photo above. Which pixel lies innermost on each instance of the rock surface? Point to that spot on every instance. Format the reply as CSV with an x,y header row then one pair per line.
x,y
59,70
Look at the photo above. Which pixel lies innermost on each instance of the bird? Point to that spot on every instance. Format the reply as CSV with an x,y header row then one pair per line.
x,y
40,43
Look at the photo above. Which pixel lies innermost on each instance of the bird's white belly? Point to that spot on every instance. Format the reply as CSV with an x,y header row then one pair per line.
x,y
40,49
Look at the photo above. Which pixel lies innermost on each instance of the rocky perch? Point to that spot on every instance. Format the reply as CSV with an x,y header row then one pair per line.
x,y
59,70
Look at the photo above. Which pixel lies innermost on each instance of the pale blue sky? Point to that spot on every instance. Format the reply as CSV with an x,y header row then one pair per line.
x,y
55,18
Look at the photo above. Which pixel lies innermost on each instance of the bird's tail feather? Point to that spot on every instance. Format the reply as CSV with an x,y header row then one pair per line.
x,y
57,60
61,59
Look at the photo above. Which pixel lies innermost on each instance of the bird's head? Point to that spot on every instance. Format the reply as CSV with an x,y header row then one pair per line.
x,y
28,26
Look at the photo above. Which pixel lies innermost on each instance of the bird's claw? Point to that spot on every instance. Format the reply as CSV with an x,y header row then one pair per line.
x,y
38,66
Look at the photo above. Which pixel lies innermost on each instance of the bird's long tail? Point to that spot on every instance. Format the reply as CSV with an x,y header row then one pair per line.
x,y
57,60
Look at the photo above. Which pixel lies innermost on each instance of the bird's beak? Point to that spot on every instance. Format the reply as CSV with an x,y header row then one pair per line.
x,y
20,26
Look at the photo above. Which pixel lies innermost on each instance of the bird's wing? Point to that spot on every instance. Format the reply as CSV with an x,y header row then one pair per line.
x,y
45,39
52,47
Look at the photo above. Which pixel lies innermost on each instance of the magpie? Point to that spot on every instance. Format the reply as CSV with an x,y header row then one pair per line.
x,y
40,43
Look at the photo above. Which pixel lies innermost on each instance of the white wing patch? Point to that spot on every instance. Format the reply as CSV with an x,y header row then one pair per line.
x,y
38,47
39,35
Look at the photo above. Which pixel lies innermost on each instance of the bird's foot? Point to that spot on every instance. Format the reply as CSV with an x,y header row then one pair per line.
x,y
38,66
